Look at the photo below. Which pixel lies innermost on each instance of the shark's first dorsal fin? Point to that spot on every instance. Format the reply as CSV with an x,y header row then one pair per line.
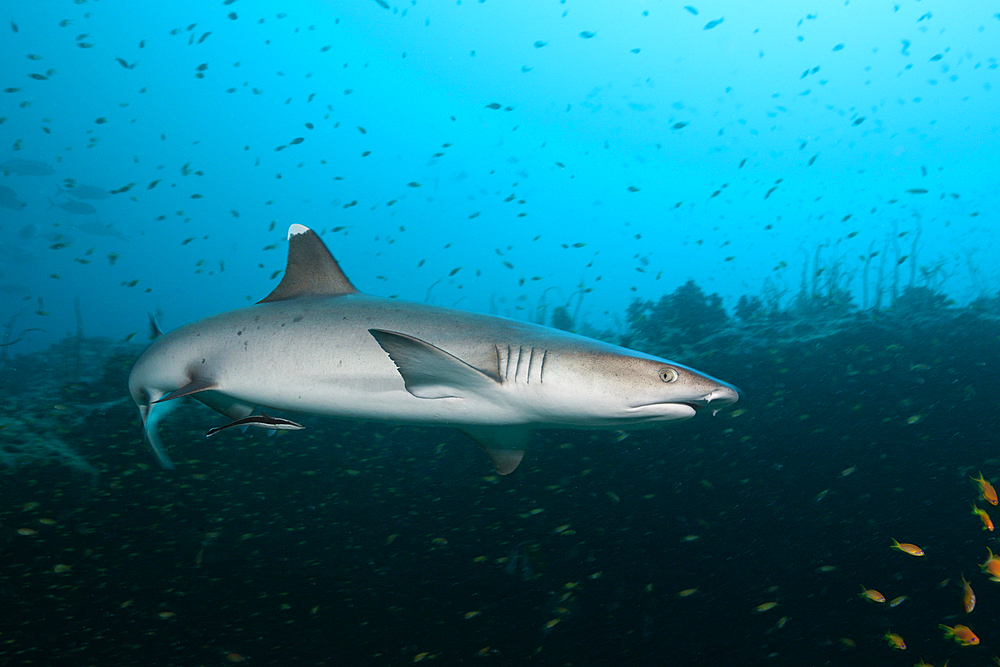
x,y
311,269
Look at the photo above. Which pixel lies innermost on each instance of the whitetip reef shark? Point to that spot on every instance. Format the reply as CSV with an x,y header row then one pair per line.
x,y
317,345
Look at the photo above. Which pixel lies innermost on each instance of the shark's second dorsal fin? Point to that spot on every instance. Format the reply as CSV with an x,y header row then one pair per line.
x,y
311,269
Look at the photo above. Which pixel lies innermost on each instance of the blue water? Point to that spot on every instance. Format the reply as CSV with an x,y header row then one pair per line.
x,y
851,106
509,158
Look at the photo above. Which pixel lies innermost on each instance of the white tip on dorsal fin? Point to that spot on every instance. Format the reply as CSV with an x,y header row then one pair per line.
x,y
311,269
297,229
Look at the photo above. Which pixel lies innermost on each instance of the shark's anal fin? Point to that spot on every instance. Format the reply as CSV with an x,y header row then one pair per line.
x,y
503,444
429,371
192,387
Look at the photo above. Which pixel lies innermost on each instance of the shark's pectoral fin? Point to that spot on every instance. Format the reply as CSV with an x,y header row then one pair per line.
x,y
192,387
429,371
503,444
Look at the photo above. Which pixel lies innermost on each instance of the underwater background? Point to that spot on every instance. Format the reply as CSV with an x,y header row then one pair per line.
x,y
799,199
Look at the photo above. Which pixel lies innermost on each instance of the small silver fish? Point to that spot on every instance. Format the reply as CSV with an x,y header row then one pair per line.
x,y
84,191
26,167
75,207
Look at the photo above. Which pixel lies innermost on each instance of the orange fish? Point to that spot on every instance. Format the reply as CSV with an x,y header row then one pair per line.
x,y
968,597
992,566
894,640
875,596
987,522
989,493
961,633
911,549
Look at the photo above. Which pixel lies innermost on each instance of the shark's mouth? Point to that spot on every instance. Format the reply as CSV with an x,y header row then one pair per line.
x,y
712,401
663,411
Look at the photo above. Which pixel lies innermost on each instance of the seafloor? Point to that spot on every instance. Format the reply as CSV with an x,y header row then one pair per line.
x,y
353,543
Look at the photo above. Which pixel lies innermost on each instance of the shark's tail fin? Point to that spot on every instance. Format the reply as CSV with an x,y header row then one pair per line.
x,y
154,328
151,414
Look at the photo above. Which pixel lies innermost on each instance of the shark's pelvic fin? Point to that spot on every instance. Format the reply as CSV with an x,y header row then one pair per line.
x,y
503,444
429,371
311,269
192,387
226,405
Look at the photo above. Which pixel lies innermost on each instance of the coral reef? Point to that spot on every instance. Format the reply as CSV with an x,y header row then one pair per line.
x,y
45,408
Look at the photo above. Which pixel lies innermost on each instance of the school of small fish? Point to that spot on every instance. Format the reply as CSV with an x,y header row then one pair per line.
x,y
961,634
79,205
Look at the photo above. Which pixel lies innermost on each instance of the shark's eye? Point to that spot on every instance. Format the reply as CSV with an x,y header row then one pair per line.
x,y
669,375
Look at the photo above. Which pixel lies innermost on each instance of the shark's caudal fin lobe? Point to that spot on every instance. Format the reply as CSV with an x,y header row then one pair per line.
x,y
429,371
311,269
161,453
503,444
151,416
192,387
154,327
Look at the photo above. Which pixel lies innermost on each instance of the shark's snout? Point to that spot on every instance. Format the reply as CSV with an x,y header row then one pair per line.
x,y
720,397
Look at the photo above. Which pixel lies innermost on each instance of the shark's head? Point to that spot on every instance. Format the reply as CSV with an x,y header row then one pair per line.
x,y
615,387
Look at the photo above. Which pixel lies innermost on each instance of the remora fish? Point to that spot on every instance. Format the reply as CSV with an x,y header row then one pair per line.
x,y
318,345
